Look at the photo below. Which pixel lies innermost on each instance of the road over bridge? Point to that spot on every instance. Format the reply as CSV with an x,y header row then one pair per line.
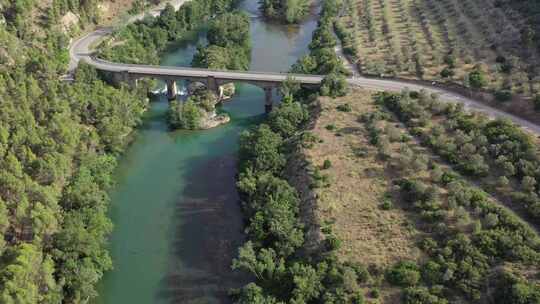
x,y
81,50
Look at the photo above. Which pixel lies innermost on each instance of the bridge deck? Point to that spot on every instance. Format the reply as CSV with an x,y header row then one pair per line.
x,y
170,71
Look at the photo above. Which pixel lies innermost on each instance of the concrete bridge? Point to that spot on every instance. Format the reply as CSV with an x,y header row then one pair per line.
x,y
213,79
81,50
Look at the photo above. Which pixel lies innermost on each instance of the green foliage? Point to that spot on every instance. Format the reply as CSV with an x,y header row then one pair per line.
x,y
503,95
184,115
327,164
144,40
447,72
228,44
273,226
421,295
344,107
477,79
536,102
405,273
289,11
334,85
515,290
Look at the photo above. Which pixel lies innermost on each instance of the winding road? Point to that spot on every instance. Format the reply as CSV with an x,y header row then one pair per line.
x,y
81,49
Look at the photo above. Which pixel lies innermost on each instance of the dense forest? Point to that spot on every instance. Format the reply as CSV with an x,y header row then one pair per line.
x,y
229,45
143,41
58,147
289,11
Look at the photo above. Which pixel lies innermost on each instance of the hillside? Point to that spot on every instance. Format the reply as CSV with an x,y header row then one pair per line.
x,y
432,223
489,45
58,148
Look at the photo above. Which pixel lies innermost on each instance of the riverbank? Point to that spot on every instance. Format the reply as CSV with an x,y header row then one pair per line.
x,y
175,207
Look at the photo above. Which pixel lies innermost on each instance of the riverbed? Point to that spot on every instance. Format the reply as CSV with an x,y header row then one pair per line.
x,y
175,209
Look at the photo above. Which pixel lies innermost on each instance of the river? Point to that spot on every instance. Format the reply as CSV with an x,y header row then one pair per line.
x,y
175,209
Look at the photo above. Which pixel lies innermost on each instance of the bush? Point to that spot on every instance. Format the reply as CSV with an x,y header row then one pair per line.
x,y
537,103
184,115
447,72
404,274
477,79
503,95
327,164
386,205
334,85
421,295
344,108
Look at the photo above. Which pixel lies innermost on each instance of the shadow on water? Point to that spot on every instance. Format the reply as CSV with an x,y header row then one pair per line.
x,y
178,224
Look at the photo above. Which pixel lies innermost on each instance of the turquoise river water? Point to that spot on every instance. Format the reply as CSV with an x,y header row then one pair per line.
x,y
177,219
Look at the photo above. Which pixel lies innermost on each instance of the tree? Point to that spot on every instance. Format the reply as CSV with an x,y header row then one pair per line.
x,y
334,85
184,115
477,79
405,273
261,149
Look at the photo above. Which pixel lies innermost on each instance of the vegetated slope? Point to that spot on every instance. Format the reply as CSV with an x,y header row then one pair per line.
x,y
470,43
143,41
58,144
352,190
473,249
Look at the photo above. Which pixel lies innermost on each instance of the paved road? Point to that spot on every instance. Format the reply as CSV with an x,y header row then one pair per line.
x,y
80,50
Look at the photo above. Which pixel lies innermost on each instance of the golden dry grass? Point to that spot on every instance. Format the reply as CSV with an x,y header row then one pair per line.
x,y
352,201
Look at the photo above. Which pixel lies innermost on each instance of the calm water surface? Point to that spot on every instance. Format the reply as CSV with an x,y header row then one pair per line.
x,y
175,208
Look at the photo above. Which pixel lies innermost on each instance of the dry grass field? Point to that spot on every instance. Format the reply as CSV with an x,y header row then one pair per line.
x,y
421,38
359,178
357,187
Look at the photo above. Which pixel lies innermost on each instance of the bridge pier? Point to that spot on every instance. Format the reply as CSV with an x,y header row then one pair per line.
x,y
213,86
171,90
268,99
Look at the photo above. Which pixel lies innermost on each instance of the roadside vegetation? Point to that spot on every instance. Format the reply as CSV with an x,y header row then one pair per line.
x,y
490,45
322,58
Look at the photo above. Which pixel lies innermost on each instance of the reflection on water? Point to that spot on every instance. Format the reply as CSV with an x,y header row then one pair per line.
x,y
175,208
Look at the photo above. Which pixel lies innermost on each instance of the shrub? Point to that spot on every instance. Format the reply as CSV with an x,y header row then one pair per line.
x,y
375,293
334,85
330,127
447,72
344,108
537,103
386,205
477,79
327,164
404,274
421,295
503,95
